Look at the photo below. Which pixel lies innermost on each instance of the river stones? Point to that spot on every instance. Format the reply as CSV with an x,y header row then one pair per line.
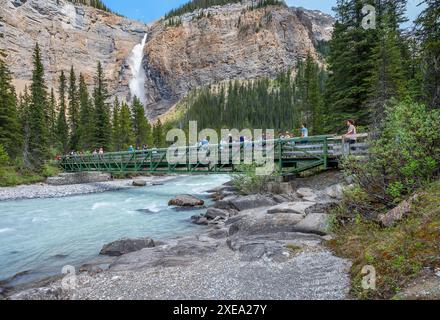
x,y
126,245
186,201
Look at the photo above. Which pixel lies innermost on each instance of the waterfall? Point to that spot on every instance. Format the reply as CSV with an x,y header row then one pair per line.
x,y
137,82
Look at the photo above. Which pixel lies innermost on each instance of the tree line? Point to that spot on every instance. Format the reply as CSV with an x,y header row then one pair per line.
x,y
367,69
263,103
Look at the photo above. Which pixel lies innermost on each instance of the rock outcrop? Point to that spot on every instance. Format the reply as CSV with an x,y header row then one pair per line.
x,y
227,42
125,246
68,35
210,46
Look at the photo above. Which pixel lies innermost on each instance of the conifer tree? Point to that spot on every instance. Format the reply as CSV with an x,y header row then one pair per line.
x,y
10,130
74,116
85,126
158,135
141,126
52,119
38,130
102,126
126,128
62,126
116,125
428,31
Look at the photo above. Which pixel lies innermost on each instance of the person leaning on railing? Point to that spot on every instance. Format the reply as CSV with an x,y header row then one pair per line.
x,y
350,137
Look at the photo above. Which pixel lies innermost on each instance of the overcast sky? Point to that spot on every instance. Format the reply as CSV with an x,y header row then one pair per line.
x,y
150,10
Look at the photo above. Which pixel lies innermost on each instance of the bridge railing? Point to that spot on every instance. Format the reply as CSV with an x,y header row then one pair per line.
x,y
313,150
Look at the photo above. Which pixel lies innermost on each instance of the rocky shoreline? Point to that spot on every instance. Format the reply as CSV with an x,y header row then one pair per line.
x,y
254,247
44,190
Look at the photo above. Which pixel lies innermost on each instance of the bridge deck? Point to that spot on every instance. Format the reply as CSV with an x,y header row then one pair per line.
x,y
290,156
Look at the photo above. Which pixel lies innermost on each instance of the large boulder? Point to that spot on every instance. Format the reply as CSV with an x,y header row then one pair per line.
x,y
252,202
186,201
316,223
258,222
126,245
291,207
139,183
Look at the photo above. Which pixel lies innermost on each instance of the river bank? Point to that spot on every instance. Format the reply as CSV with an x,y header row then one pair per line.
x,y
44,190
256,247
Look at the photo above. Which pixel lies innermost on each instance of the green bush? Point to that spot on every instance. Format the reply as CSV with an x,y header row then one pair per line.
x,y
248,182
49,171
404,157
4,158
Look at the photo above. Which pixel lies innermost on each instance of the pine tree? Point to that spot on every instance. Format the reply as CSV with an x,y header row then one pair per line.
x,y
428,31
85,126
116,125
102,129
74,116
38,130
24,111
126,128
387,78
350,65
52,119
62,126
141,126
158,135
10,130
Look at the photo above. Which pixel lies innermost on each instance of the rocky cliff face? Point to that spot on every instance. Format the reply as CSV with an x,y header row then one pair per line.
x,y
228,42
68,35
209,46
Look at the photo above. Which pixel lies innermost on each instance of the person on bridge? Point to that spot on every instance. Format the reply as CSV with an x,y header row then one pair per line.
x,y
304,131
130,149
350,137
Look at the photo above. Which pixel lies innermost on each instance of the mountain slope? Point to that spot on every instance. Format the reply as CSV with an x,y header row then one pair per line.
x,y
68,35
226,42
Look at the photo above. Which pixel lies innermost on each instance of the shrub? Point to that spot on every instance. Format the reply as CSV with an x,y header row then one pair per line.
x,y
248,182
4,158
404,157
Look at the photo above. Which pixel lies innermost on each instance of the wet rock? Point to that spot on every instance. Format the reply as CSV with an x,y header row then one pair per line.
x,y
200,220
291,207
139,183
186,201
316,223
126,245
213,213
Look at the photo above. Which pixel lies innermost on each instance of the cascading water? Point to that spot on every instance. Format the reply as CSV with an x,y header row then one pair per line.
x,y
137,82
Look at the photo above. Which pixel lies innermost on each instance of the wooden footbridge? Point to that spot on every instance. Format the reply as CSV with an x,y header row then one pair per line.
x,y
291,156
